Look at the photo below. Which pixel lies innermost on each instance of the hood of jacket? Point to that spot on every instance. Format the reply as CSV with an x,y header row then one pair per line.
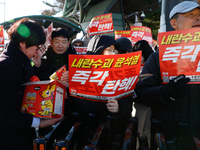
x,y
98,43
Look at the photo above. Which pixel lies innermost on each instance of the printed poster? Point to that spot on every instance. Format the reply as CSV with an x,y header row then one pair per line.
x,y
135,34
100,77
179,54
141,33
81,50
101,24
1,37
124,33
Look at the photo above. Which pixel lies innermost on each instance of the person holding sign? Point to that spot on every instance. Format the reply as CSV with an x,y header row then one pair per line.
x,y
17,128
175,104
121,108
104,45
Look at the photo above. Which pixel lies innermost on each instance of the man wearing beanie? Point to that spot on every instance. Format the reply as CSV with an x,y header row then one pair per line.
x,y
177,103
125,43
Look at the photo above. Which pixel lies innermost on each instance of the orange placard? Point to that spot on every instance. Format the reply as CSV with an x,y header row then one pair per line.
x,y
179,54
100,77
1,37
124,33
58,73
101,24
81,50
141,33
137,33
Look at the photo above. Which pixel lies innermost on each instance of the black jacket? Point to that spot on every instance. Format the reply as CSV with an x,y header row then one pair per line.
x,y
96,46
15,127
51,62
184,110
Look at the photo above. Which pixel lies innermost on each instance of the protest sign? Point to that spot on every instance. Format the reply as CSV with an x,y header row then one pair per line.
x,y
100,77
100,25
81,50
1,37
179,54
141,33
124,33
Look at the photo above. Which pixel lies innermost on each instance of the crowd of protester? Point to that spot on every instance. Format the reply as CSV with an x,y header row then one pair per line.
x,y
175,105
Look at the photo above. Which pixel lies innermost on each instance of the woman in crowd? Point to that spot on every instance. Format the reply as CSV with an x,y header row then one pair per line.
x,y
143,113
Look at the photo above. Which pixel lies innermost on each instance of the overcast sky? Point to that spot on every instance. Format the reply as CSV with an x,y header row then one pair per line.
x,y
19,8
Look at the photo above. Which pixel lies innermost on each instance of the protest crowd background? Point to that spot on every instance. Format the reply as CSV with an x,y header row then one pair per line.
x,y
109,89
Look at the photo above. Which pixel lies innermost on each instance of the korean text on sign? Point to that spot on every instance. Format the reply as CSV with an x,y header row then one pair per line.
x,y
99,78
101,24
179,54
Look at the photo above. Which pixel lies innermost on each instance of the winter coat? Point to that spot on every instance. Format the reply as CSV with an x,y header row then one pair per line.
x,y
51,62
185,110
96,46
15,126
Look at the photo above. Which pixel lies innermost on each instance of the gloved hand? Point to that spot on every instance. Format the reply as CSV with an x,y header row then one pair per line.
x,y
176,88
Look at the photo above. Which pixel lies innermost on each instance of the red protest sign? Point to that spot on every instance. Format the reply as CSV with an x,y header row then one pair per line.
x,y
124,33
100,77
141,33
101,24
1,37
81,50
179,54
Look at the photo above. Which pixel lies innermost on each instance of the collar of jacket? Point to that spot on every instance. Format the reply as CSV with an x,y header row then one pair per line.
x,y
52,56
15,52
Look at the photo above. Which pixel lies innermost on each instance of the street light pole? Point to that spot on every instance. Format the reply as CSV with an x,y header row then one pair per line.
x,y
4,9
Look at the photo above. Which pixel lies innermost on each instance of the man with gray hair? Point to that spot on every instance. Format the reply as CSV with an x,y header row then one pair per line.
x,y
177,103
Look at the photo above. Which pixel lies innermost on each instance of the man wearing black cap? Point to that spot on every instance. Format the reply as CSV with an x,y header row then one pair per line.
x,y
175,104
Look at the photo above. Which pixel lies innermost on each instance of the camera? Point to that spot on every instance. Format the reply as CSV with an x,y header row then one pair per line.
x,y
142,16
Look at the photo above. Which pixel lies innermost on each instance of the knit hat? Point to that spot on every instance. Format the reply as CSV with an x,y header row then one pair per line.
x,y
183,7
77,41
125,44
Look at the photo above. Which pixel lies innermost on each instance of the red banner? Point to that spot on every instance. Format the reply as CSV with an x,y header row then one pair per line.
x,y
100,77
101,24
141,33
137,33
124,33
1,37
81,50
179,54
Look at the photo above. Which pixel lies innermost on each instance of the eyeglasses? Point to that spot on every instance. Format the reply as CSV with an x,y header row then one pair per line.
x,y
110,51
78,45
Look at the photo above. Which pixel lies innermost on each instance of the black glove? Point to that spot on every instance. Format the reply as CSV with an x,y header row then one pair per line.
x,y
176,88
